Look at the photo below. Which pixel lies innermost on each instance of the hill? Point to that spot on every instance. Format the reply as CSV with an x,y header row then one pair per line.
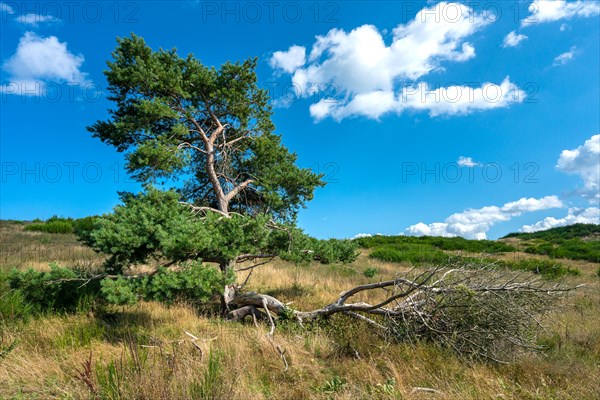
x,y
580,231
575,242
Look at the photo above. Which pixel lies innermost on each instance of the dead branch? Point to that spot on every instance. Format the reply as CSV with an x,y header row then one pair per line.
x,y
479,313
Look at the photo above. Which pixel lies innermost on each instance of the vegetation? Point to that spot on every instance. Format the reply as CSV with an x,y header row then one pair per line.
x,y
420,255
575,231
55,290
575,242
220,198
55,224
574,249
436,242
142,350
180,120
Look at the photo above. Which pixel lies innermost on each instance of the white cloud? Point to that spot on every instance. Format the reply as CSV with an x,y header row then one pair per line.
x,y
513,39
564,58
289,61
372,78
457,100
35,19
555,10
451,100
5,8
585,162
475,223
361,235
466,162
589,215
39,61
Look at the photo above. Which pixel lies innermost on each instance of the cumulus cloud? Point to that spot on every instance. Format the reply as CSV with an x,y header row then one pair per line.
x,y
5,8
372,78
451,100
36,19
475,223
362,235
589,215
466,162
39,61
554,10
564,58
585,162
289,61
513,39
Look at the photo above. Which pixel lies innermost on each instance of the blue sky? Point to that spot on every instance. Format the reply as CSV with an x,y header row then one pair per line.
x,y
386,103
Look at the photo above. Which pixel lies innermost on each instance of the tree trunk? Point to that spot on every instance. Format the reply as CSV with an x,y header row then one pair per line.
x,y
228,290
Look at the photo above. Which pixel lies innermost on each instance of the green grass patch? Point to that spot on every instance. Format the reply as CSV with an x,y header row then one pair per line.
x,y
427,255
575,231
573,249
440,243
60,225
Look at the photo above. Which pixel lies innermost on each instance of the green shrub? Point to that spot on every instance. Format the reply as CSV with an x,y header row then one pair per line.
x,y
51,227
334,385
83,226
60,289
441,243
574,249
387,254
13,305
193,282
561,233
415,254
547,268
65,289
370,272
118,291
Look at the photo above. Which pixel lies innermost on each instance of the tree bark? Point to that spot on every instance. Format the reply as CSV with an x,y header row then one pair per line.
x,y
229,291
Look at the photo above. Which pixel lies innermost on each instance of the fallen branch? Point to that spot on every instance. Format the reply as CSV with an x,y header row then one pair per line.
x,y
479,313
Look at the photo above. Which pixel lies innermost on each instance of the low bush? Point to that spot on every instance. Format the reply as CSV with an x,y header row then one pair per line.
x,y
441,243
547,268
60,225
370,272
573,249
51,227
13,305
423,255
414,254
60,289
193,282
561,233
64,289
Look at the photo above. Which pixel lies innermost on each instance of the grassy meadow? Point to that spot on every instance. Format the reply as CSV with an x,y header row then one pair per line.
x,y
152,350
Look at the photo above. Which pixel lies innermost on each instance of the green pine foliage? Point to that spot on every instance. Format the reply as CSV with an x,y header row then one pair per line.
x,y
67,290
59,289
207,133
193,283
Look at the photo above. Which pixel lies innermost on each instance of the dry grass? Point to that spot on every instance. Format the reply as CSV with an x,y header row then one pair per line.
x,y
151,357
